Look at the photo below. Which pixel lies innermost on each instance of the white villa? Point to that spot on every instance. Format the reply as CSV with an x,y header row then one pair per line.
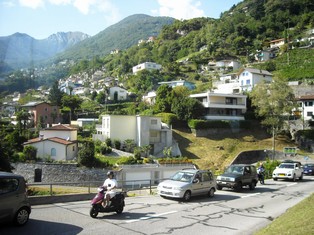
x,y
58,142
117,93
144,130
306,107
249,77
146,65
222,106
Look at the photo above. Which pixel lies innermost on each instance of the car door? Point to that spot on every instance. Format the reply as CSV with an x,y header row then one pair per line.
x,y
197,184
8,197
247,175
208,182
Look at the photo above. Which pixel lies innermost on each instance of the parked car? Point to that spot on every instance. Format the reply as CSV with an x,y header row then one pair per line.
x,y
308,169
288,170
236,176
14,204
187,183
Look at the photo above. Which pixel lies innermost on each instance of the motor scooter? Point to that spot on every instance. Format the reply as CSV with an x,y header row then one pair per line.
x,y
117,203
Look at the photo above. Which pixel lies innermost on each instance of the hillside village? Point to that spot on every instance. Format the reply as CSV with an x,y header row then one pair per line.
x,y
119,92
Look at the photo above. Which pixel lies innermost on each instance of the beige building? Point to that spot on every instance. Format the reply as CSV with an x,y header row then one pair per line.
x,y
144,130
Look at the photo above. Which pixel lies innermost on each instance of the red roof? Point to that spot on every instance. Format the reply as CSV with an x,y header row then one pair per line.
x,y
53,139
306,97
61,127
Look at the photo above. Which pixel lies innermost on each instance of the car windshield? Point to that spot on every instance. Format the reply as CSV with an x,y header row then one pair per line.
x,y
183,176
288,166
308,165
234,169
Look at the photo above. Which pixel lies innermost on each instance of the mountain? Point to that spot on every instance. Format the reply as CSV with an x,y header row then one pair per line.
x,y
21,50
121,35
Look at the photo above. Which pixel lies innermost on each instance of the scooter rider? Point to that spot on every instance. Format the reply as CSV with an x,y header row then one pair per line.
x,y
261,172
110,183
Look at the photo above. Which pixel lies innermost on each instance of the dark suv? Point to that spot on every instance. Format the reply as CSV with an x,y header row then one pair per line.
x,y
238,175
14,204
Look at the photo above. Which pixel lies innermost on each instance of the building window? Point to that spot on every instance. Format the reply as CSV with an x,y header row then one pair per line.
x,y
309,114
248,82
309,103
46,109
154,134
73,148
153,122
53,152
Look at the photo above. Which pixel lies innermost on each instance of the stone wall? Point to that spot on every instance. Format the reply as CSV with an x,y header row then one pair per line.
x,y
51,173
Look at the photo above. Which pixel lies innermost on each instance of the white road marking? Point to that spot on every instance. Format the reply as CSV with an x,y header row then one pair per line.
x,y
149,217
250,195
291,184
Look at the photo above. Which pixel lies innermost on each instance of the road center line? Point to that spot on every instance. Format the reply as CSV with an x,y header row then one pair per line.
x,y
149,217
250,195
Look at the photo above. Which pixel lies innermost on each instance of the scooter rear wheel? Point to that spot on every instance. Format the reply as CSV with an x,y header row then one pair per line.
x,y
119,210
93,212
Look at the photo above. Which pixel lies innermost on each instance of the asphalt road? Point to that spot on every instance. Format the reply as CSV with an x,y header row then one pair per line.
x,y
227,212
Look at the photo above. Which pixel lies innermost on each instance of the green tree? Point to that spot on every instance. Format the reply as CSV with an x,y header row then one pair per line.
x,y
273,102
86,154
163,99
22,118
55,95
71,102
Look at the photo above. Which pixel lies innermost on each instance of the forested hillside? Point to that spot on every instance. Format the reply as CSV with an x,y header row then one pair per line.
x,y
184,47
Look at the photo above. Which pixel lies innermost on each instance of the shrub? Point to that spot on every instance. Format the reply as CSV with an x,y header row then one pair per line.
x,y
168,118
30,152
204,124
117,144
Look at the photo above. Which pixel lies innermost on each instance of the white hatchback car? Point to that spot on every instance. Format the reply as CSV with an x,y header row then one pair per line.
x,y
288,170
187,183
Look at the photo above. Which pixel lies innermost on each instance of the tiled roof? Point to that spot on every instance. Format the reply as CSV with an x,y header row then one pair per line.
x,y
61,127
306,97
53,139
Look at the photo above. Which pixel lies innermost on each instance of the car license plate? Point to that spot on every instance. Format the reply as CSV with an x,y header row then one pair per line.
x,y
282,175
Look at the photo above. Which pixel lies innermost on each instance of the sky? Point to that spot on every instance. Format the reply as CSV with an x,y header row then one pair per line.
x,y
42,18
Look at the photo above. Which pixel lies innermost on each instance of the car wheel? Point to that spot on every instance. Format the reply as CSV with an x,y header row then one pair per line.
x,y
301,177
93,212
21,216
211,192
294,178
252,186
238,187
219,187
187,196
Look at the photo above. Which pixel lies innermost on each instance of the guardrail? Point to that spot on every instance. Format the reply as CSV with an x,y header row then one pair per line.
x,y
91,186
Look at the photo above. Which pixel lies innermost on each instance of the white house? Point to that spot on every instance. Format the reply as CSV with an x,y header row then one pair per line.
x,y
277,43
150,98
147,66
189,85
58,142
225,64
249,77
220,106
306,107
227,84
144,130
117,93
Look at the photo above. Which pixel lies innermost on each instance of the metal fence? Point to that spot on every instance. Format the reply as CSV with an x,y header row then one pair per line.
x,y
90,186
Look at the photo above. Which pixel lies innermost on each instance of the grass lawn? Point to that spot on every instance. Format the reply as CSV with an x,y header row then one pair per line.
x,y
298,220
216,152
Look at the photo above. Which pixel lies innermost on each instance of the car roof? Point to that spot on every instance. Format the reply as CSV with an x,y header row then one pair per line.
x,y
192,170
4,174
241,165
